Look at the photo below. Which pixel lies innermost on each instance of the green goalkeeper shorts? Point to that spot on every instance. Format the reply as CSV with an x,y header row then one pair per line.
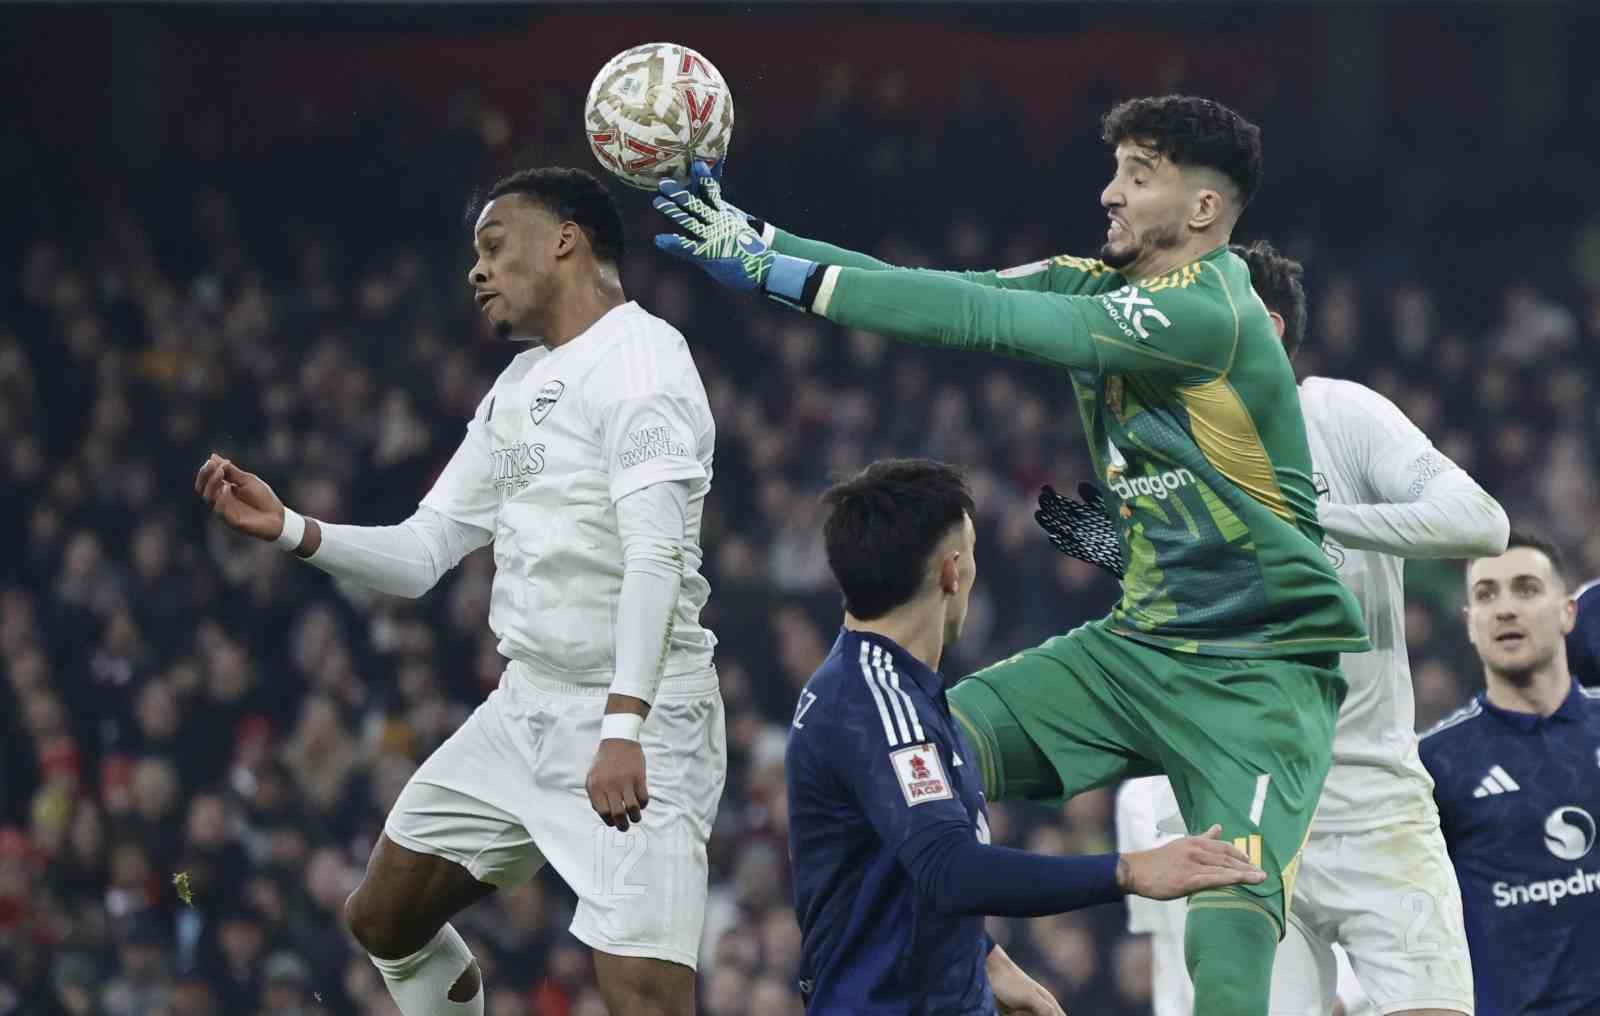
x,y
1246,742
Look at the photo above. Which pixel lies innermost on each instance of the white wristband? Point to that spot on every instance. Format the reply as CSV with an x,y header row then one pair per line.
x,y
621,725
294,530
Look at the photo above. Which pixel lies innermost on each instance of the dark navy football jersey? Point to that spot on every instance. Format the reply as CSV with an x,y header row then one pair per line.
x,y
1583,645
874,760
1519,796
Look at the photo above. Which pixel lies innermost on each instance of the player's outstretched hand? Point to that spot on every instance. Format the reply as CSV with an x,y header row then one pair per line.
x,y
706,181
1015,993
240,499
1186,866
616,782
724,243
720,240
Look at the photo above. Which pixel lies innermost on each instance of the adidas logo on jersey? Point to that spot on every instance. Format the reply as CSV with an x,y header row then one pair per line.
x,y
1496,781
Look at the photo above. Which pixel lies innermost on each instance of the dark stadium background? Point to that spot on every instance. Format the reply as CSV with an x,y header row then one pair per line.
x,y
241,229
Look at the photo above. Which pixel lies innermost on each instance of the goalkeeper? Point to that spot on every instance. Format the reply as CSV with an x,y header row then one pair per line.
x,y
1219,666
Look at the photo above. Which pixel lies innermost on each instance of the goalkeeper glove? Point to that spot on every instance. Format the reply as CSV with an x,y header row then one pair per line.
x,y
723,243
702,172
1081,529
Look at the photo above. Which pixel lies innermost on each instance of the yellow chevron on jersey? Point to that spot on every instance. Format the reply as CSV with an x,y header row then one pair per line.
x,y
1089,266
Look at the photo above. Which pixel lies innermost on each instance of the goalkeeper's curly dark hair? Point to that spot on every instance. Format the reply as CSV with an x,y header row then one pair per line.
x,y
573,195
1191,131
1280,282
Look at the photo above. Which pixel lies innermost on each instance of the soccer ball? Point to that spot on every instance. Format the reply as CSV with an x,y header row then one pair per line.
x,y
654,109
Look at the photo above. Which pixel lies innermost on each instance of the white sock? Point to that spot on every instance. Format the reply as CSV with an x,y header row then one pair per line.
x,y
420,983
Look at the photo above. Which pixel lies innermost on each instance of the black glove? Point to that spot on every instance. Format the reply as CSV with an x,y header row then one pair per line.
x,y
1081,529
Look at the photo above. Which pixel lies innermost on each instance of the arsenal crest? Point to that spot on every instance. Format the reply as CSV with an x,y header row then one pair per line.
x,y
546,400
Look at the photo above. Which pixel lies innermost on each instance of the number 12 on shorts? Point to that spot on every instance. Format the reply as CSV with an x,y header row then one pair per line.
x,y
615,856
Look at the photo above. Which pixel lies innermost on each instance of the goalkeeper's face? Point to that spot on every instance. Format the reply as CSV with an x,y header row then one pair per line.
x,y
958,570
514,279
1148,201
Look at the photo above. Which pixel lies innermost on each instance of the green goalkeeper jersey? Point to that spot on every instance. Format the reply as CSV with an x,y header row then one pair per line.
x,y
1193,421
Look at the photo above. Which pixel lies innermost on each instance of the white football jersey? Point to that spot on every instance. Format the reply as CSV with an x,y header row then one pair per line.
x,y
1364,450
560,438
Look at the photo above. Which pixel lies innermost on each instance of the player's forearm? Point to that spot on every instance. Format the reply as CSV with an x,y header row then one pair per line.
x,y
651,522
403,560
1452,520
958,875
825,253
933,309
785,242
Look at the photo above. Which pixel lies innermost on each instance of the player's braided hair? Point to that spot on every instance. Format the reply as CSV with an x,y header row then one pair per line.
x,y
883,525
1191,131
1280,282
573,195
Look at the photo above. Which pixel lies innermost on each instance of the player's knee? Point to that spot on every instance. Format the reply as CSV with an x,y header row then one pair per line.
x,y
467,985
381,930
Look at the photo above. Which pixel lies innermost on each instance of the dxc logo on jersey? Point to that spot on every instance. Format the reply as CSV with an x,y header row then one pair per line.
x,y
1569,832
1129,310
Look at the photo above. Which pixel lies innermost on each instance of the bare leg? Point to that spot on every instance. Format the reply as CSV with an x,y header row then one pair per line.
x,y
402,905
639,986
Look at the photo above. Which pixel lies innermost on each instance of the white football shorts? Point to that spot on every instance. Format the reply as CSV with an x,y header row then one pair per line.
x,y
505,793
1389,897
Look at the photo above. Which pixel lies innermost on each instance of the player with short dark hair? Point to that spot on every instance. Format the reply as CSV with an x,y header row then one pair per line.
x,y
1231,619
586,466
893,870
1517,779
571,195
1201,134
1280,282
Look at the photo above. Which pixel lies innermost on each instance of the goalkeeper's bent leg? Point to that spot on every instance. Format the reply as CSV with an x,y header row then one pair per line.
x,y
1012,765
1229,943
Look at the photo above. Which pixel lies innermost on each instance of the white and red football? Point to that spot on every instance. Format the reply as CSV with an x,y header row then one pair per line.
x,y
654,109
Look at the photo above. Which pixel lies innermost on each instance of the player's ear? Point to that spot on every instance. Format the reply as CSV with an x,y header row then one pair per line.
x,y
1277,322
566,238
950,573
1207,209
1569,615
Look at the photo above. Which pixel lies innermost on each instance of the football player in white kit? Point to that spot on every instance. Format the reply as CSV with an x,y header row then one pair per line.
x,y
1375,877
586,466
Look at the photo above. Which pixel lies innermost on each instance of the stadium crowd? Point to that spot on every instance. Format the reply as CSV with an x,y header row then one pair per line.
x,y
178,700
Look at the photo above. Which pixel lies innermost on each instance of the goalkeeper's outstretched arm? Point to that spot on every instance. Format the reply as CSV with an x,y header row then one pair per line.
x,y
1195,342
1055,275
1060,274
